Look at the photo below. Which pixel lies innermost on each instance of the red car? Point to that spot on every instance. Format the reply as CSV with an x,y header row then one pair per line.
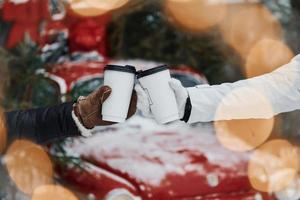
x,y
142,160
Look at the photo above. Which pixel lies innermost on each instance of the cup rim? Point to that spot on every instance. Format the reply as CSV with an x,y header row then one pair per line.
x,y
151,71
126,68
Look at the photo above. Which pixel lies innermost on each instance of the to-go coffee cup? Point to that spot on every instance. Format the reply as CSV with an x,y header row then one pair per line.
x,y
155,83
121,80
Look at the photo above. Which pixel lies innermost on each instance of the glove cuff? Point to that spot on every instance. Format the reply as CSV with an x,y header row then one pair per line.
x,y
187,110
83,131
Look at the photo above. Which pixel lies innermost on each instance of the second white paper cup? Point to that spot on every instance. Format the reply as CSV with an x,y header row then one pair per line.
x,y
155,83
121,80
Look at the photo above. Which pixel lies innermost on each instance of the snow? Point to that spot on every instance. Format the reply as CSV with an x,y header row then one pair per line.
x,y
212,180
149,152
19,1
292,192
258,196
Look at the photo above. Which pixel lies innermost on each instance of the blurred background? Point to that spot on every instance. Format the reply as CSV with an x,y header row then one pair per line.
x,y
53,51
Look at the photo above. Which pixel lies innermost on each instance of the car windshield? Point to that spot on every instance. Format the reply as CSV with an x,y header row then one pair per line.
x,y
84,88
187,80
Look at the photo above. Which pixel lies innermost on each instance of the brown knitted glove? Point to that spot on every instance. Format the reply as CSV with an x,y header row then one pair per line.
x,y
88,109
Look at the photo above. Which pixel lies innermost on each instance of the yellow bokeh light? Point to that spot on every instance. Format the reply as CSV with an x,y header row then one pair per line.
x,y
196,15
242,133
52,192
28,165
81,7
245,25
273,166
3,131
107,4
266,56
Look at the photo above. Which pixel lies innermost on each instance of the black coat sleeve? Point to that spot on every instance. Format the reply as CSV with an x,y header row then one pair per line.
x,y
41,125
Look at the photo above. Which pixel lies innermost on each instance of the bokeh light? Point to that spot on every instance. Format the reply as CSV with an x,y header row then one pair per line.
x,y
81,7
266,56
28,165
196,15
52,192
273,166
3,131
242,132
246,24
107,4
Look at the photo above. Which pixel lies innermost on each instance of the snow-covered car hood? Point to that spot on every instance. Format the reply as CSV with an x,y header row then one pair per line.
x,y
166,161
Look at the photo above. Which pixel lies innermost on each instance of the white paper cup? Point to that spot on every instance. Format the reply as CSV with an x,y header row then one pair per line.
x,y
155,83
121,80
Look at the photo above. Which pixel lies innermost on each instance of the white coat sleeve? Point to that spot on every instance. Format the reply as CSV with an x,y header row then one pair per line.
x,y
259,97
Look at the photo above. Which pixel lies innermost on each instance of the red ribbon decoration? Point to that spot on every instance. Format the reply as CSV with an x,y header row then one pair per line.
x,y
25,18
88,33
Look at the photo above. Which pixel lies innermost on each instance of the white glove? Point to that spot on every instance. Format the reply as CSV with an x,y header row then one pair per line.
x,y
143,103
181,95
292,192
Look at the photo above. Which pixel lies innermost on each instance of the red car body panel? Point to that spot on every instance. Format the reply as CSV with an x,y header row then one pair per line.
x,y
71,72
95,180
